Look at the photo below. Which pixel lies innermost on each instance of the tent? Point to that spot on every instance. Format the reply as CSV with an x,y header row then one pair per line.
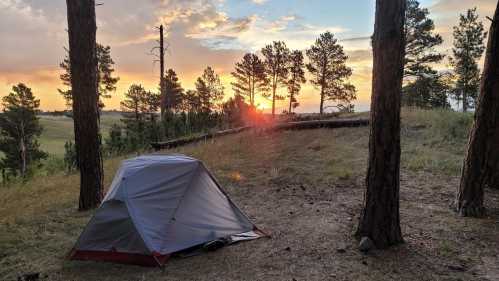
x,y
159,205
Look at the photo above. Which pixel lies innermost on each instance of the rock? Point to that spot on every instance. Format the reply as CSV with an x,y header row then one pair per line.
x,y
33,276
341,250
366,244
457,267
288,249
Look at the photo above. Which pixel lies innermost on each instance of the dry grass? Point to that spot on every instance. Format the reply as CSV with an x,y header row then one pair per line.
x,y
306,188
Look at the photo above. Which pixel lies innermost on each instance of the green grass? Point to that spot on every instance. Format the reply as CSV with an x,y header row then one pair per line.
x,y
434,140
57,130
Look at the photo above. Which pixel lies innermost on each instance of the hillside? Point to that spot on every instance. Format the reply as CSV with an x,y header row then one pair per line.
x,y
57,130
306,189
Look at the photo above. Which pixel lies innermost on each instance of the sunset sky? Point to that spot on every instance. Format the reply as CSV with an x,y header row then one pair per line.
x,y
200,33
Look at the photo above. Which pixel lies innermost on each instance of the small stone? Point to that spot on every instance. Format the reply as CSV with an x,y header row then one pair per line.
x,y
456,267
366,244
364,262
341,250
288,249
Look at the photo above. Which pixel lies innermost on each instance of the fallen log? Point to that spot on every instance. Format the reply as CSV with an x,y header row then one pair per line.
x,y
183,141
300,125
316,124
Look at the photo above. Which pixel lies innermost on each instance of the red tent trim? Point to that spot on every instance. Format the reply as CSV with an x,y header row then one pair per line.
x,y
117,257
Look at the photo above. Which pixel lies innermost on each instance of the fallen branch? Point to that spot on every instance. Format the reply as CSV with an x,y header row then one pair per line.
x,y
301,125
183,141
315,124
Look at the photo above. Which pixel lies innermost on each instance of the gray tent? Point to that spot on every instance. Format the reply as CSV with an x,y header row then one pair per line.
x,y
158,205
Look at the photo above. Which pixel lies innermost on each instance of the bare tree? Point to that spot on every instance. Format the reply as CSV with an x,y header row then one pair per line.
x,y
482,159
83,63
380,218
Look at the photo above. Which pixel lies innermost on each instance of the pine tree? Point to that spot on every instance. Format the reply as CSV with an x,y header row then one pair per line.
x,y
135,107
84,84
468,49
276,68
481,163
380,217
421,41
210,89
327,64
236,111
106,81
202,96
427,92
19,131
191,101
296,78
173,91
250,77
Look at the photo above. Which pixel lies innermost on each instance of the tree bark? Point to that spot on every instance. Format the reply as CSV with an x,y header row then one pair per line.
x,y
482,159
321,110
164,99
274,87
380,219
82,53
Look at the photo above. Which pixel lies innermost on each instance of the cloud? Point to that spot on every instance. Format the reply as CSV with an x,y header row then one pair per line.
x,y
485,7
259,2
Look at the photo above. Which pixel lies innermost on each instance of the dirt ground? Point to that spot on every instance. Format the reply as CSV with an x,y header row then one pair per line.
x,y
306,189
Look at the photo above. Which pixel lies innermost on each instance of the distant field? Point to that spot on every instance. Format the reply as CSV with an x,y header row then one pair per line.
x,y
59,129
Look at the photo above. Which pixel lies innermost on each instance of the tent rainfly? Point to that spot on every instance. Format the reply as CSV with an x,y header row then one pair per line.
x,y
159,205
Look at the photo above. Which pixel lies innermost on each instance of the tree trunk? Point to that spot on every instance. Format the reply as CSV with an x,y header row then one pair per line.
x,y
380,219
465,100
82,53
321,110
290,102
482,159
22,150
164,99
493,181
274,86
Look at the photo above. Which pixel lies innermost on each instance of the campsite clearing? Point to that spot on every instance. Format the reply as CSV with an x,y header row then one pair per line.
x,y
306,189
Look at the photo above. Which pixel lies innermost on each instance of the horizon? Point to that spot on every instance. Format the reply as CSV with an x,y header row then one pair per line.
x,y
221,30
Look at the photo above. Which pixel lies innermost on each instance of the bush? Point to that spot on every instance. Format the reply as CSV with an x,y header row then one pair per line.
x,y
70,157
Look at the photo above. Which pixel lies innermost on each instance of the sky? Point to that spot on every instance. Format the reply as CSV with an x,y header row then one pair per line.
x,y
200,33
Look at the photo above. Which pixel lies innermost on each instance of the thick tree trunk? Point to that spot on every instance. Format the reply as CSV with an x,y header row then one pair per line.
x,y
380,218
482,159
493,181
82,53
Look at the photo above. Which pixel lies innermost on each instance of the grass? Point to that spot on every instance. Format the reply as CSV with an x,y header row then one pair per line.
x,y
305,187
434,140
57,130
